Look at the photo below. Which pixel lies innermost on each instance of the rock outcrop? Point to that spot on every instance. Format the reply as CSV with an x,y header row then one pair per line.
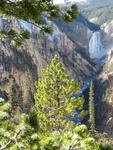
x,y
104,98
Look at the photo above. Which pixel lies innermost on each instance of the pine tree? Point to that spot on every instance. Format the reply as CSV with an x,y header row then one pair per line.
x,y
52,100
91,107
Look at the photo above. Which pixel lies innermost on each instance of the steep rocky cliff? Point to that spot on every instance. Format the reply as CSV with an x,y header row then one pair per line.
x,y
104,98
102,14
21,67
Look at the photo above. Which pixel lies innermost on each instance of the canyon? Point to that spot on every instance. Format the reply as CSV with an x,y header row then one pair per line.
x,y
85,48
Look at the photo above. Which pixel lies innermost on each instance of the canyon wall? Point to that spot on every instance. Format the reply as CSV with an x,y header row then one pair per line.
x,y
21,67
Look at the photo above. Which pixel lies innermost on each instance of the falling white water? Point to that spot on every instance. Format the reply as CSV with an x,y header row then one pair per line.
x,y
96,49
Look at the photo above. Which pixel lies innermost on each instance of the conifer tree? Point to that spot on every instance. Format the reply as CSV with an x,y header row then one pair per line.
x,y
52,100
91,107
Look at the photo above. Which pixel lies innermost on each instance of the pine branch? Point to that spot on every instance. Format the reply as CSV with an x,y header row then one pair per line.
x,y
36,25
13,139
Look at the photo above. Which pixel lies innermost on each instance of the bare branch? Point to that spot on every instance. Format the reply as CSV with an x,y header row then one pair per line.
x,y
13,139
34,24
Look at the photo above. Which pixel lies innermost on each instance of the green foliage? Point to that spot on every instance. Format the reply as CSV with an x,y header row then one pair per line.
x,y
91,107
28,138
5,124
22,136
32,12
69,139
82,140
105,147
32,120
16,38
90,144
52,100
70,14
81,130
33,9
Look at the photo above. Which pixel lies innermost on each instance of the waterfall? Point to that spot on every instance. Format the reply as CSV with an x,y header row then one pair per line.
x,y
96,49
